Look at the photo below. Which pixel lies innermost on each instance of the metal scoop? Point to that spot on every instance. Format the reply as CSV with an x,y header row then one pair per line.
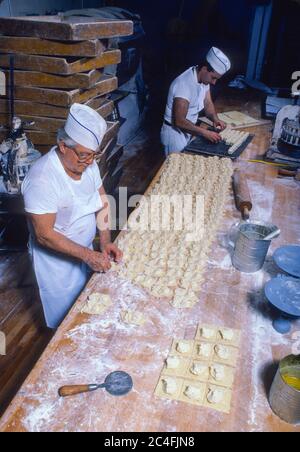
x,y
117,384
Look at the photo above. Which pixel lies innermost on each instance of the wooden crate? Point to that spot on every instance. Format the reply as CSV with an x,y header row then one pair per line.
x,y
26,108
44,140
44,80
63,98
60,65
53,124
65,29
37,46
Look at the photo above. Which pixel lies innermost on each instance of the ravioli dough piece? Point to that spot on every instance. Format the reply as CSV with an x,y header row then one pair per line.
x,y
97,304
183,347
166,292
204,350
207,333
198,370
193,393
215,396
172,362
225,354
217,372
227,335
133,317
222,352
167,383
218,399
170,386
181,366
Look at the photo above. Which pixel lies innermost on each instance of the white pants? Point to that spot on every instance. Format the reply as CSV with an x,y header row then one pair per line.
x,y
174,140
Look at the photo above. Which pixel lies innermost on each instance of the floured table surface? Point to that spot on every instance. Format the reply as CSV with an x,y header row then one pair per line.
x,y
87,348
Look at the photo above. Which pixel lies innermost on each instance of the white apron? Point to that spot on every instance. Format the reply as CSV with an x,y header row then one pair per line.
x,y
61,278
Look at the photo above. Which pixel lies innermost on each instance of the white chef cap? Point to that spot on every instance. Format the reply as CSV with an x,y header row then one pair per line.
x,y
85,126
218,61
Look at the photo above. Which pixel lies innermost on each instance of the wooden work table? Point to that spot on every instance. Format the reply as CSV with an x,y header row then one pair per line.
x,y
85,349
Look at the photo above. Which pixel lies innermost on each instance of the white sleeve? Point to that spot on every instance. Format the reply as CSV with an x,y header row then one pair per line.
x,y
182,90
97,176
39,197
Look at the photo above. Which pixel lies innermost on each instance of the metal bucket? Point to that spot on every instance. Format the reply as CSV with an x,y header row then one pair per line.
x,y
284,396
250,248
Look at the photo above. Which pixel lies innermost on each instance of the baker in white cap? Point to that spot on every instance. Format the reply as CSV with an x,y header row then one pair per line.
x,y
188,95
66,202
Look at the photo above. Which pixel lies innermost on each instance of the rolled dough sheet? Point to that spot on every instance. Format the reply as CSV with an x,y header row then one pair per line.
x,y
97,304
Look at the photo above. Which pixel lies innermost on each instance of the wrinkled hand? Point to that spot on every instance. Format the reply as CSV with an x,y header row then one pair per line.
x,y
220,125
98,262
113,251
213,137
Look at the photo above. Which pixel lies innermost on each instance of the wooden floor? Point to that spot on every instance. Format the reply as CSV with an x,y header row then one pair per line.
x,y
21,320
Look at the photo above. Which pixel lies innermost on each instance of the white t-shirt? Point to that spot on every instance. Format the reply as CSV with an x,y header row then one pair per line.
x,y
48,189
186,86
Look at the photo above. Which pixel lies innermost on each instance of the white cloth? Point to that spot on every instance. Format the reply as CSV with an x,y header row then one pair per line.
x,y
85,126
187,87
218,61
174,140
48,189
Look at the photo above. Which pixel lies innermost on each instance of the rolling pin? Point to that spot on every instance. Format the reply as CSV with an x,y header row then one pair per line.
x,y
242,194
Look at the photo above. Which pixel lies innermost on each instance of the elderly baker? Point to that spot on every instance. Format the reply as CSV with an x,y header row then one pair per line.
x,y
189,94
65,202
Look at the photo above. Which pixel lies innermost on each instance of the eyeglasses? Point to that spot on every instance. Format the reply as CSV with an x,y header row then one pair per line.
x,y
81,157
